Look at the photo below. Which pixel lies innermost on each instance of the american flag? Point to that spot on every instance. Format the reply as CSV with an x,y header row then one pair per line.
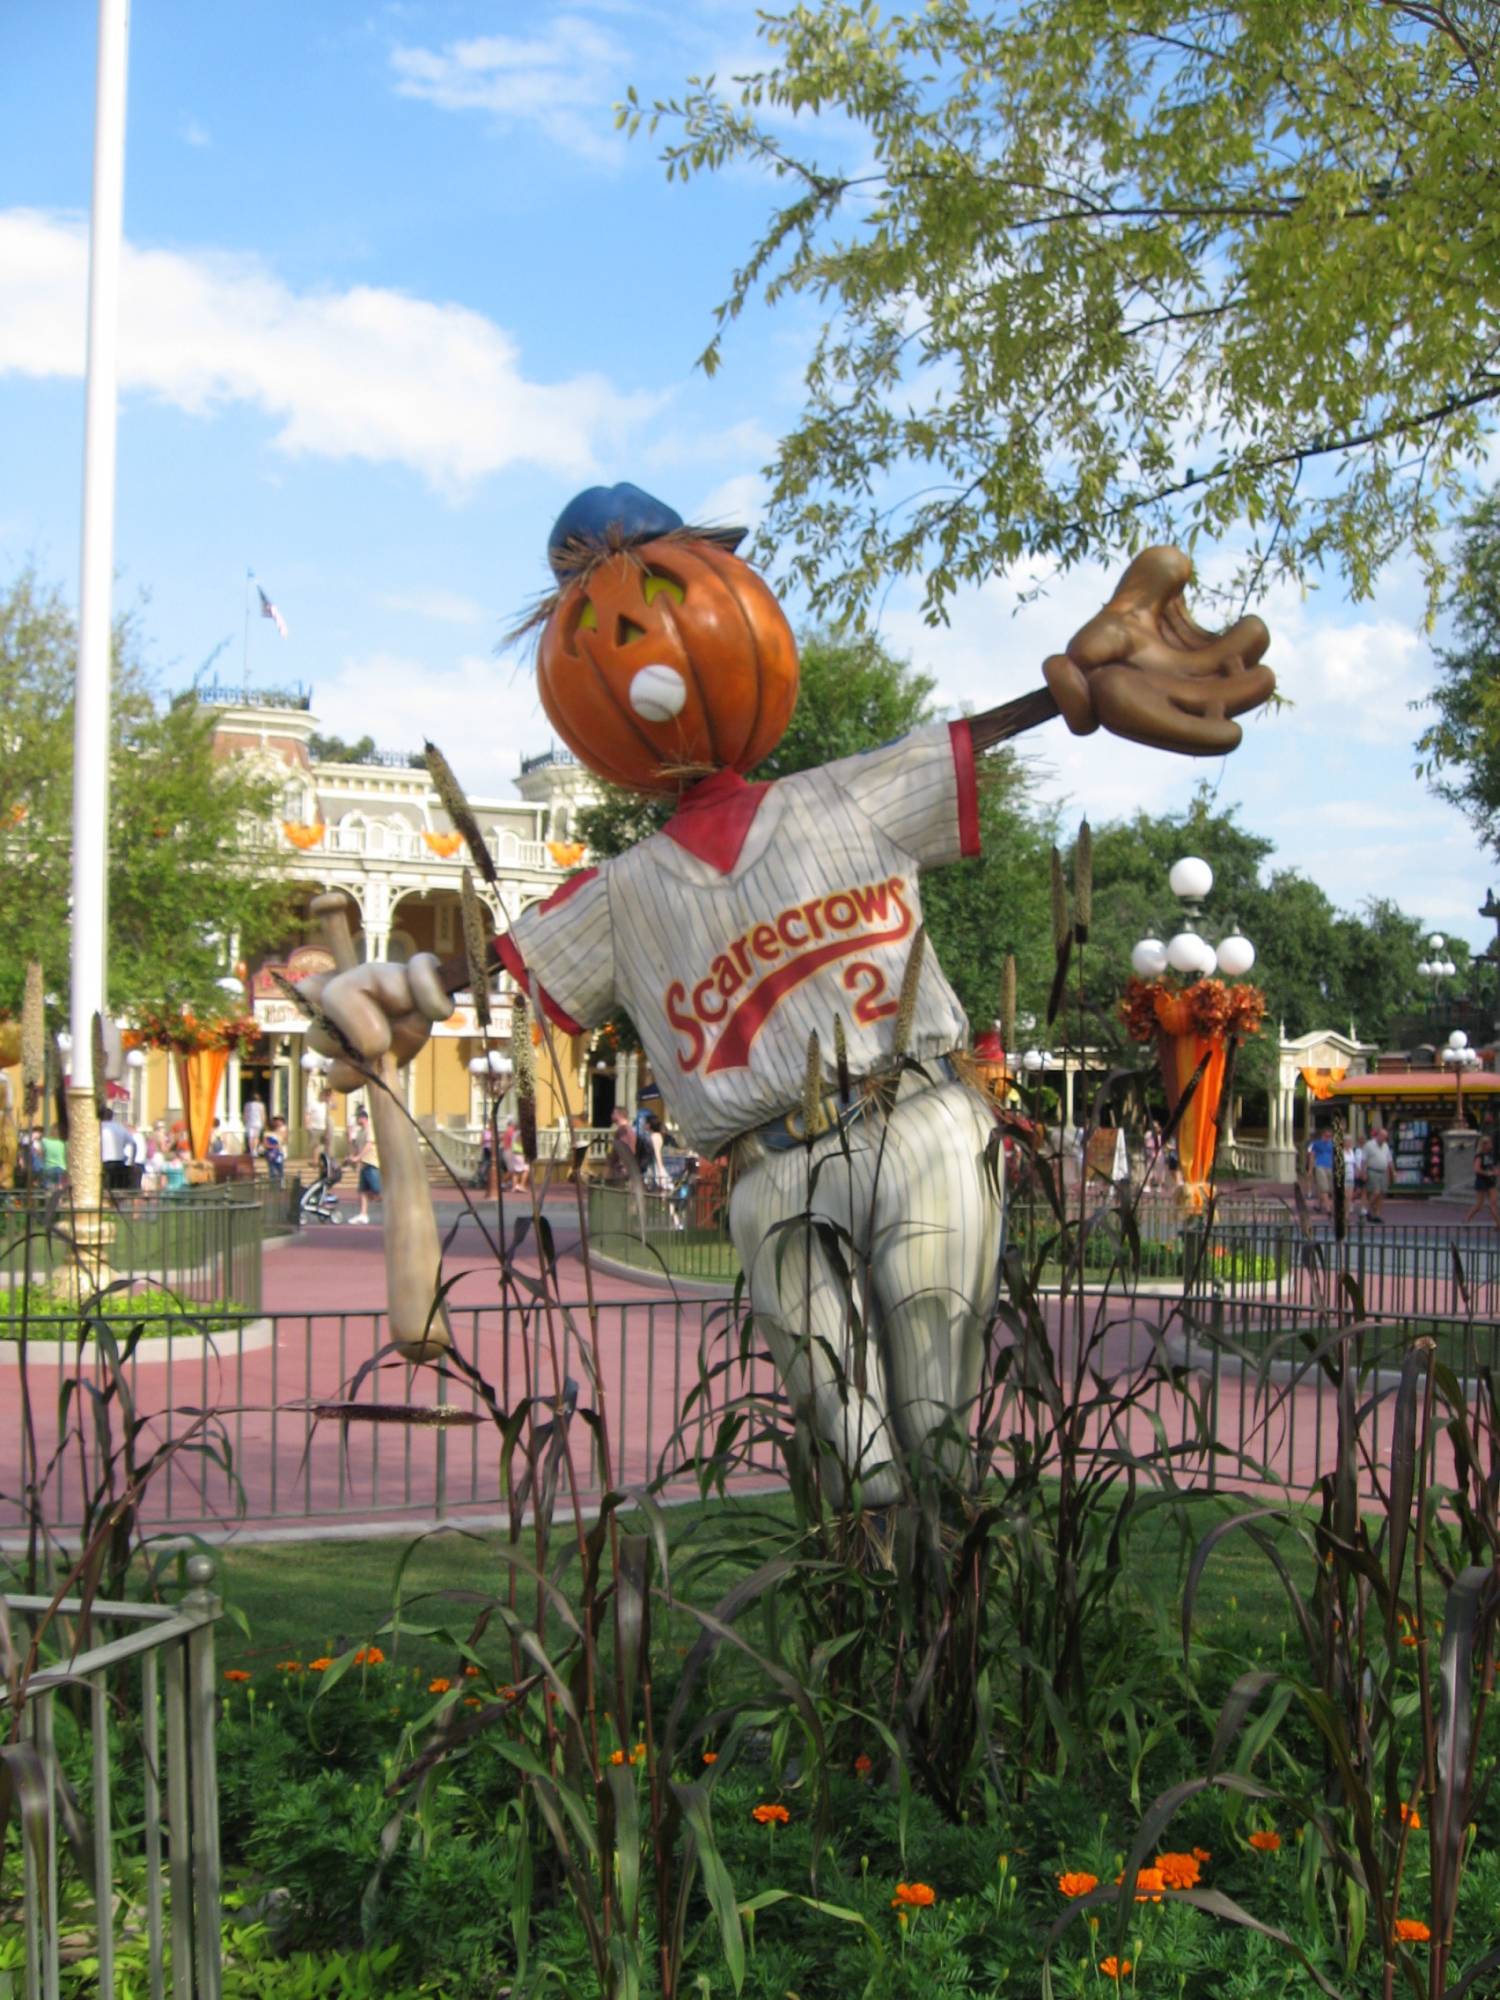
x,y
268,610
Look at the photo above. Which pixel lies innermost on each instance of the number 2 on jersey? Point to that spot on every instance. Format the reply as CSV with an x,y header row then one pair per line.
x,y
867,982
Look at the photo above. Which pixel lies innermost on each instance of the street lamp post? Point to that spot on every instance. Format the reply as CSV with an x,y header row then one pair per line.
x,y
1459,1143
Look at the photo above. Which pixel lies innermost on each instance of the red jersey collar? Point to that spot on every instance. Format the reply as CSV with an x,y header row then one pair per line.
x,y
714,817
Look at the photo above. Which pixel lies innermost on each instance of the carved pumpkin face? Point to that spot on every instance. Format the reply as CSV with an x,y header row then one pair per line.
x,y
665,662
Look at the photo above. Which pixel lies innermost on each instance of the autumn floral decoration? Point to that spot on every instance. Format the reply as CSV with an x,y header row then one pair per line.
x,y
1208,1007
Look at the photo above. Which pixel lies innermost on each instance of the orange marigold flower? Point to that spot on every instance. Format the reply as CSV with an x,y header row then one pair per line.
x,y
914,1896
472,1701
710,1756
1264,1842
1112,1968
1179,1871
320,1666
439,1686
638,1754
770,1815
617,1756
1411,1817
288,1666
1411,1930
1077,1883
506,1693
471,1673
1202,1854
863,1765
235,1674
1149,1883
369,1656
1408,1638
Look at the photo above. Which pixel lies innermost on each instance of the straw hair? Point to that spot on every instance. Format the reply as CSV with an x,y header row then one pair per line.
x,y
580,556
1061,922
456,806
476,947
1083,884
906,1011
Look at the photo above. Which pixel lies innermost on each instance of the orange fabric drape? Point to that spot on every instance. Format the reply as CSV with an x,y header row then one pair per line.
x,y
200,1075
1179,1055
303,833
1318,1080
566,853
444,845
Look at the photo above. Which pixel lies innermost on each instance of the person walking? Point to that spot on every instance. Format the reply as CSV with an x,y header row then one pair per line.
x,y
1320,1163
1377,1159
115,1151
1486,1172
364,1157
253,1118
1354,1178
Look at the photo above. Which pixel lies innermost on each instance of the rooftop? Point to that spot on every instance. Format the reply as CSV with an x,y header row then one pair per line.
x,y
217,694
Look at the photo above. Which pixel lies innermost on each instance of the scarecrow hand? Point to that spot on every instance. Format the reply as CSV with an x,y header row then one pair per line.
x,y
1143,669
374,1008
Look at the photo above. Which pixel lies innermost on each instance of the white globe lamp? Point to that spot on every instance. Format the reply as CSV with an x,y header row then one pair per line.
x,y
1190,879
1148,958
1458,1040
1187,952
1235,956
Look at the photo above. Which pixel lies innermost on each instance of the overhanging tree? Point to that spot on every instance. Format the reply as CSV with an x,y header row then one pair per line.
x,y
185,873
1460,749
1111,273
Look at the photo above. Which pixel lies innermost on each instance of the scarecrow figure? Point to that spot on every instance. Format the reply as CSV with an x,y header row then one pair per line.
x,y
762,913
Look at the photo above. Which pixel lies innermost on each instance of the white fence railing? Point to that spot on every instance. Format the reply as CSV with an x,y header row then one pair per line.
x,y
148,1692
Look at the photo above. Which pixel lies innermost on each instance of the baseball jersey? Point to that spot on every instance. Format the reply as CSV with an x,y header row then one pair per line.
x,y
727,971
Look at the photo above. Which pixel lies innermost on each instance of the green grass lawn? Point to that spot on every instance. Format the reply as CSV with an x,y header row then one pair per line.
x,y
302,1599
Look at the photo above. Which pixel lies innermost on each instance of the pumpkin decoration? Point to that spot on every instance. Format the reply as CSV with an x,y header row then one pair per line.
x,y
663,657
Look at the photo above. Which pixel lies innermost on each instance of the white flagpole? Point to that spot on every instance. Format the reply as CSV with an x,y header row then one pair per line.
x,y
91,703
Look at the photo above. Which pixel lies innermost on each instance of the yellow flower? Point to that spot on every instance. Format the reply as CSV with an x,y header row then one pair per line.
x,y
770,1815
1077,1883
235,1674
914,1896
1411,1930
439,1686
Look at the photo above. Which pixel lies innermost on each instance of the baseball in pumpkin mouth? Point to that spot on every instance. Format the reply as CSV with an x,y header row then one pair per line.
x,y
657,693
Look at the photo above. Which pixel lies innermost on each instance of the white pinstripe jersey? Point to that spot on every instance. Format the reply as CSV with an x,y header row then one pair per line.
x,y
726,974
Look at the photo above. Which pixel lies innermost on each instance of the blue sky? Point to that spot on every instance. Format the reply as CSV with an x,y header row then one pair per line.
x,y
395,290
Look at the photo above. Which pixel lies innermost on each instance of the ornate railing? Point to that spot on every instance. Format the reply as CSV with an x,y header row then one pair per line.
x,y
144,1697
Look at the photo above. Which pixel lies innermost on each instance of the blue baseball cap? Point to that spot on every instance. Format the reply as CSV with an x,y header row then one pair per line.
x,y
616,516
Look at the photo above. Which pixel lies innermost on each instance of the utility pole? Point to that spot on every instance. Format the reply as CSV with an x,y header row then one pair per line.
x,y
92,689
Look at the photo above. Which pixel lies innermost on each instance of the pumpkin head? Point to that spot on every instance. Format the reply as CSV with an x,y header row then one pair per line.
x,y
665,658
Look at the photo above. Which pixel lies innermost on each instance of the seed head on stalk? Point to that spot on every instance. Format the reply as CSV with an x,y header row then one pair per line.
x,y
523,1066
101,1088
906,1011
814,1123
476,947
456,805
1008,1004
1083,883
1062,923
841,1060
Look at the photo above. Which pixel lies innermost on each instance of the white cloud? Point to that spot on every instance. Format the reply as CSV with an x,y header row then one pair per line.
x,y
564,81
446,607
481,711
192,133
367,373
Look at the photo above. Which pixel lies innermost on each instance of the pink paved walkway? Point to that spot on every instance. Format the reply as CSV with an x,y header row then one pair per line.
x,y
327,1288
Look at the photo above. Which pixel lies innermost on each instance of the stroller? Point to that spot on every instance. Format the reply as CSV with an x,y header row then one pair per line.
x,y
319,1203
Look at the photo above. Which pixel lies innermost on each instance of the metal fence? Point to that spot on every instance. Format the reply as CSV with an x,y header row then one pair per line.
x,y
671,1236
204,1244
1412,1269
305,1418
121,1834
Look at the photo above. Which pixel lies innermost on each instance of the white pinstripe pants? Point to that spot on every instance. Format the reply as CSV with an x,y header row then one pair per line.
x,y
921,1226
